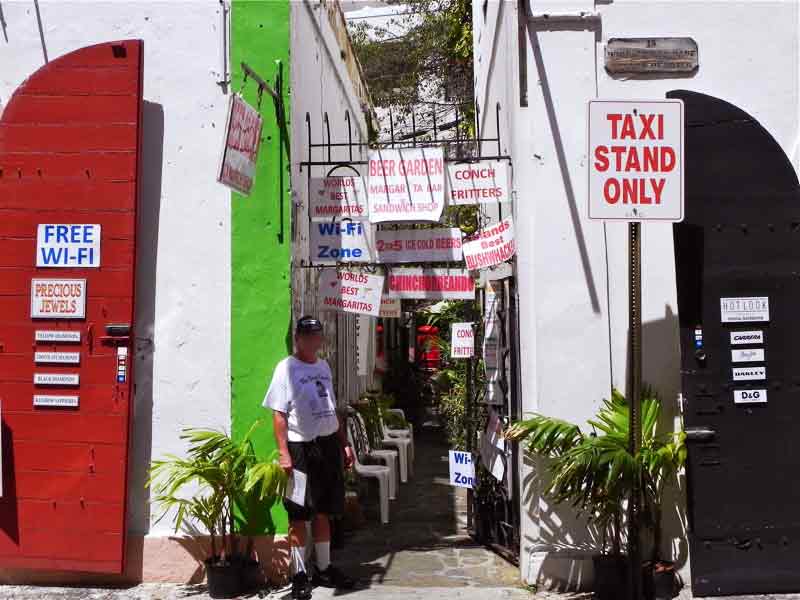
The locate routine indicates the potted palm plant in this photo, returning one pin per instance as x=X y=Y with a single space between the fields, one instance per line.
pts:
x=236 y=491
x=595 y=472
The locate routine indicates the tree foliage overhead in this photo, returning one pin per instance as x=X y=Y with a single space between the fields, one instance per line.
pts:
x=422 y=53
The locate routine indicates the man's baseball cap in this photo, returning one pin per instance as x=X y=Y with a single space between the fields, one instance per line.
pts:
x=308 y=324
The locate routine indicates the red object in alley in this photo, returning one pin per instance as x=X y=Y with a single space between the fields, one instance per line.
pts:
x=428 y=354
x=69 y=155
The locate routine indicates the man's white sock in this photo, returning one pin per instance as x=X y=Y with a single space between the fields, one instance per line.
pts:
x=323 y=552
x=298 y=561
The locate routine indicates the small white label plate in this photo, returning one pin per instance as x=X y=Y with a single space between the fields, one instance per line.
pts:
x=749 y=355
x=56 y=379
x=749 y=396
x=61 y=358
x=71 y=337
x=749 y=373
x=742 y=310
x=740 y=338
x=60 y=401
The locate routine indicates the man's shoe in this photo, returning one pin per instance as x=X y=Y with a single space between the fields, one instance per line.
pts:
x=301 y=586
x=333 y=578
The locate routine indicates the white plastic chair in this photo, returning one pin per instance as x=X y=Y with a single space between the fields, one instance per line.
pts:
x=379 y=472
x=403 y=440
x=388 y=457
x=405 y=432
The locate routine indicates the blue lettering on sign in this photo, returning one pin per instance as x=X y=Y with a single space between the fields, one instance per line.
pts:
x=463 y=479
x=341 y=228
x=462 y=458
x=62 y=245
x=331 y=252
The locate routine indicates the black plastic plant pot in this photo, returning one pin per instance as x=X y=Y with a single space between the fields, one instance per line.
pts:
x=661 y=583
x=610 y=577
x=252 y=580
x=224 y=581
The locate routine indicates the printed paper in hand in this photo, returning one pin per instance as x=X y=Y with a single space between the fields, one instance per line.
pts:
x=296 y=488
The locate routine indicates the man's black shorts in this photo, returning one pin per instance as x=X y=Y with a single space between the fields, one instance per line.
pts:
x=322 y=461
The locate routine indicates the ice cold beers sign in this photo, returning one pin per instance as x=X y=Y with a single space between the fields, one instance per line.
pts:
x=636 y=160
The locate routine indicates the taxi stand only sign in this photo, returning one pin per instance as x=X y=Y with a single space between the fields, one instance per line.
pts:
x=636 y=160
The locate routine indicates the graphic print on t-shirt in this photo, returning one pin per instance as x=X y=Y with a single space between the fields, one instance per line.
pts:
x=322 y=406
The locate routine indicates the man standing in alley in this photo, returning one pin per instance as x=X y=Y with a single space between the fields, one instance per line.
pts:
x=312 y=441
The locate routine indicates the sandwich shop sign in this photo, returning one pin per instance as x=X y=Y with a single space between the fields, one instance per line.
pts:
x=636 y=160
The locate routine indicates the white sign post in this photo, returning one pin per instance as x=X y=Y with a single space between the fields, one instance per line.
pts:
x=462 y=469
x=481 y=182
x=240 y=152
x=58 y=298
x=462 y=340
x=350 y=291
x=636 y=160
x=338 y=196
x=406 y=185
x=62 y=245
x=491 y=246
x=635 y=174
x=440 y=244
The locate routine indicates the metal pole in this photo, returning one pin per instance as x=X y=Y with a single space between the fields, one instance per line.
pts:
x=635 y=394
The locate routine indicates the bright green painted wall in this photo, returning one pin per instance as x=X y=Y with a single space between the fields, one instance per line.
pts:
x=261 y=285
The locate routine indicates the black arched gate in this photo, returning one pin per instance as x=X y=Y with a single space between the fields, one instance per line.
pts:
x=738 y=275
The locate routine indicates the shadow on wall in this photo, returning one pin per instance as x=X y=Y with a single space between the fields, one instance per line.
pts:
x=146 y=262
x=560 y=555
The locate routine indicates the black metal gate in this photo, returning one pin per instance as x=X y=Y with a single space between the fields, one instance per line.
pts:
x=496 y=498
x=738 y=273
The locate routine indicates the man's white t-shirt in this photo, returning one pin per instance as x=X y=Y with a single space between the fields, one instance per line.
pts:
x=304 y=391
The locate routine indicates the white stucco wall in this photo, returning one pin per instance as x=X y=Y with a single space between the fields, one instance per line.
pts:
x=321 y=83
x=572 y=273
x=183 y=276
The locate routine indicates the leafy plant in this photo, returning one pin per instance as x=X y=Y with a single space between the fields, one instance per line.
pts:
x=236 y=489
x=595 y=472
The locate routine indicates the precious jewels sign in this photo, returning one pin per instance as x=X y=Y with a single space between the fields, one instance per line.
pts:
x=337 y=197
x=406 y=185
x=350 y=291
x=58 y=298
x=440 y=244
x=433 y=284
x=490 y=246
x=480 y=182
x=636 y=160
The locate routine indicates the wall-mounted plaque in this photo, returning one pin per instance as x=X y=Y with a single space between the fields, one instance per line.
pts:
x=651 y=55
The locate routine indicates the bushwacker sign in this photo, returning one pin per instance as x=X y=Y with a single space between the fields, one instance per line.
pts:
x=406 y=185
x=350 y=291
x=242 y=139
x=490 y=246
x=636 y=160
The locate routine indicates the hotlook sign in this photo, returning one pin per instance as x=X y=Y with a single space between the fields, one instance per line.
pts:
x=433 y=284
x=58 y=298
x=59 y=245
x=636 y=160
x=338 y=196
x=242 y=139
x=406 y=185
x=441 y=244
x=490 y=246
x=462 y=340
x=351 y=291
x=473 y=183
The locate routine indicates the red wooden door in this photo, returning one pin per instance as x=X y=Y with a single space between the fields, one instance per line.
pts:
x=69 y=160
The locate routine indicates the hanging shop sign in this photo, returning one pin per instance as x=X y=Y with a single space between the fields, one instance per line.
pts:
x=350 y=291
x=744 y=310
x=58 y=298
x=441 y=244
x=240 y=152
x=462 y=469
x=462 y=340
x=406 y=184
x=338 y=196
x=491 y=246
x=480 y=182
x=431 y=284
x=62 y=245
x=340 y=241
x=391 y=308
x=493 y=446
x=651 y=55
x=491 y=349
x=636 y=160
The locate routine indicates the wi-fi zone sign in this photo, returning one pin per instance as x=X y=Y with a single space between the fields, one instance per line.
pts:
x=636 y=160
